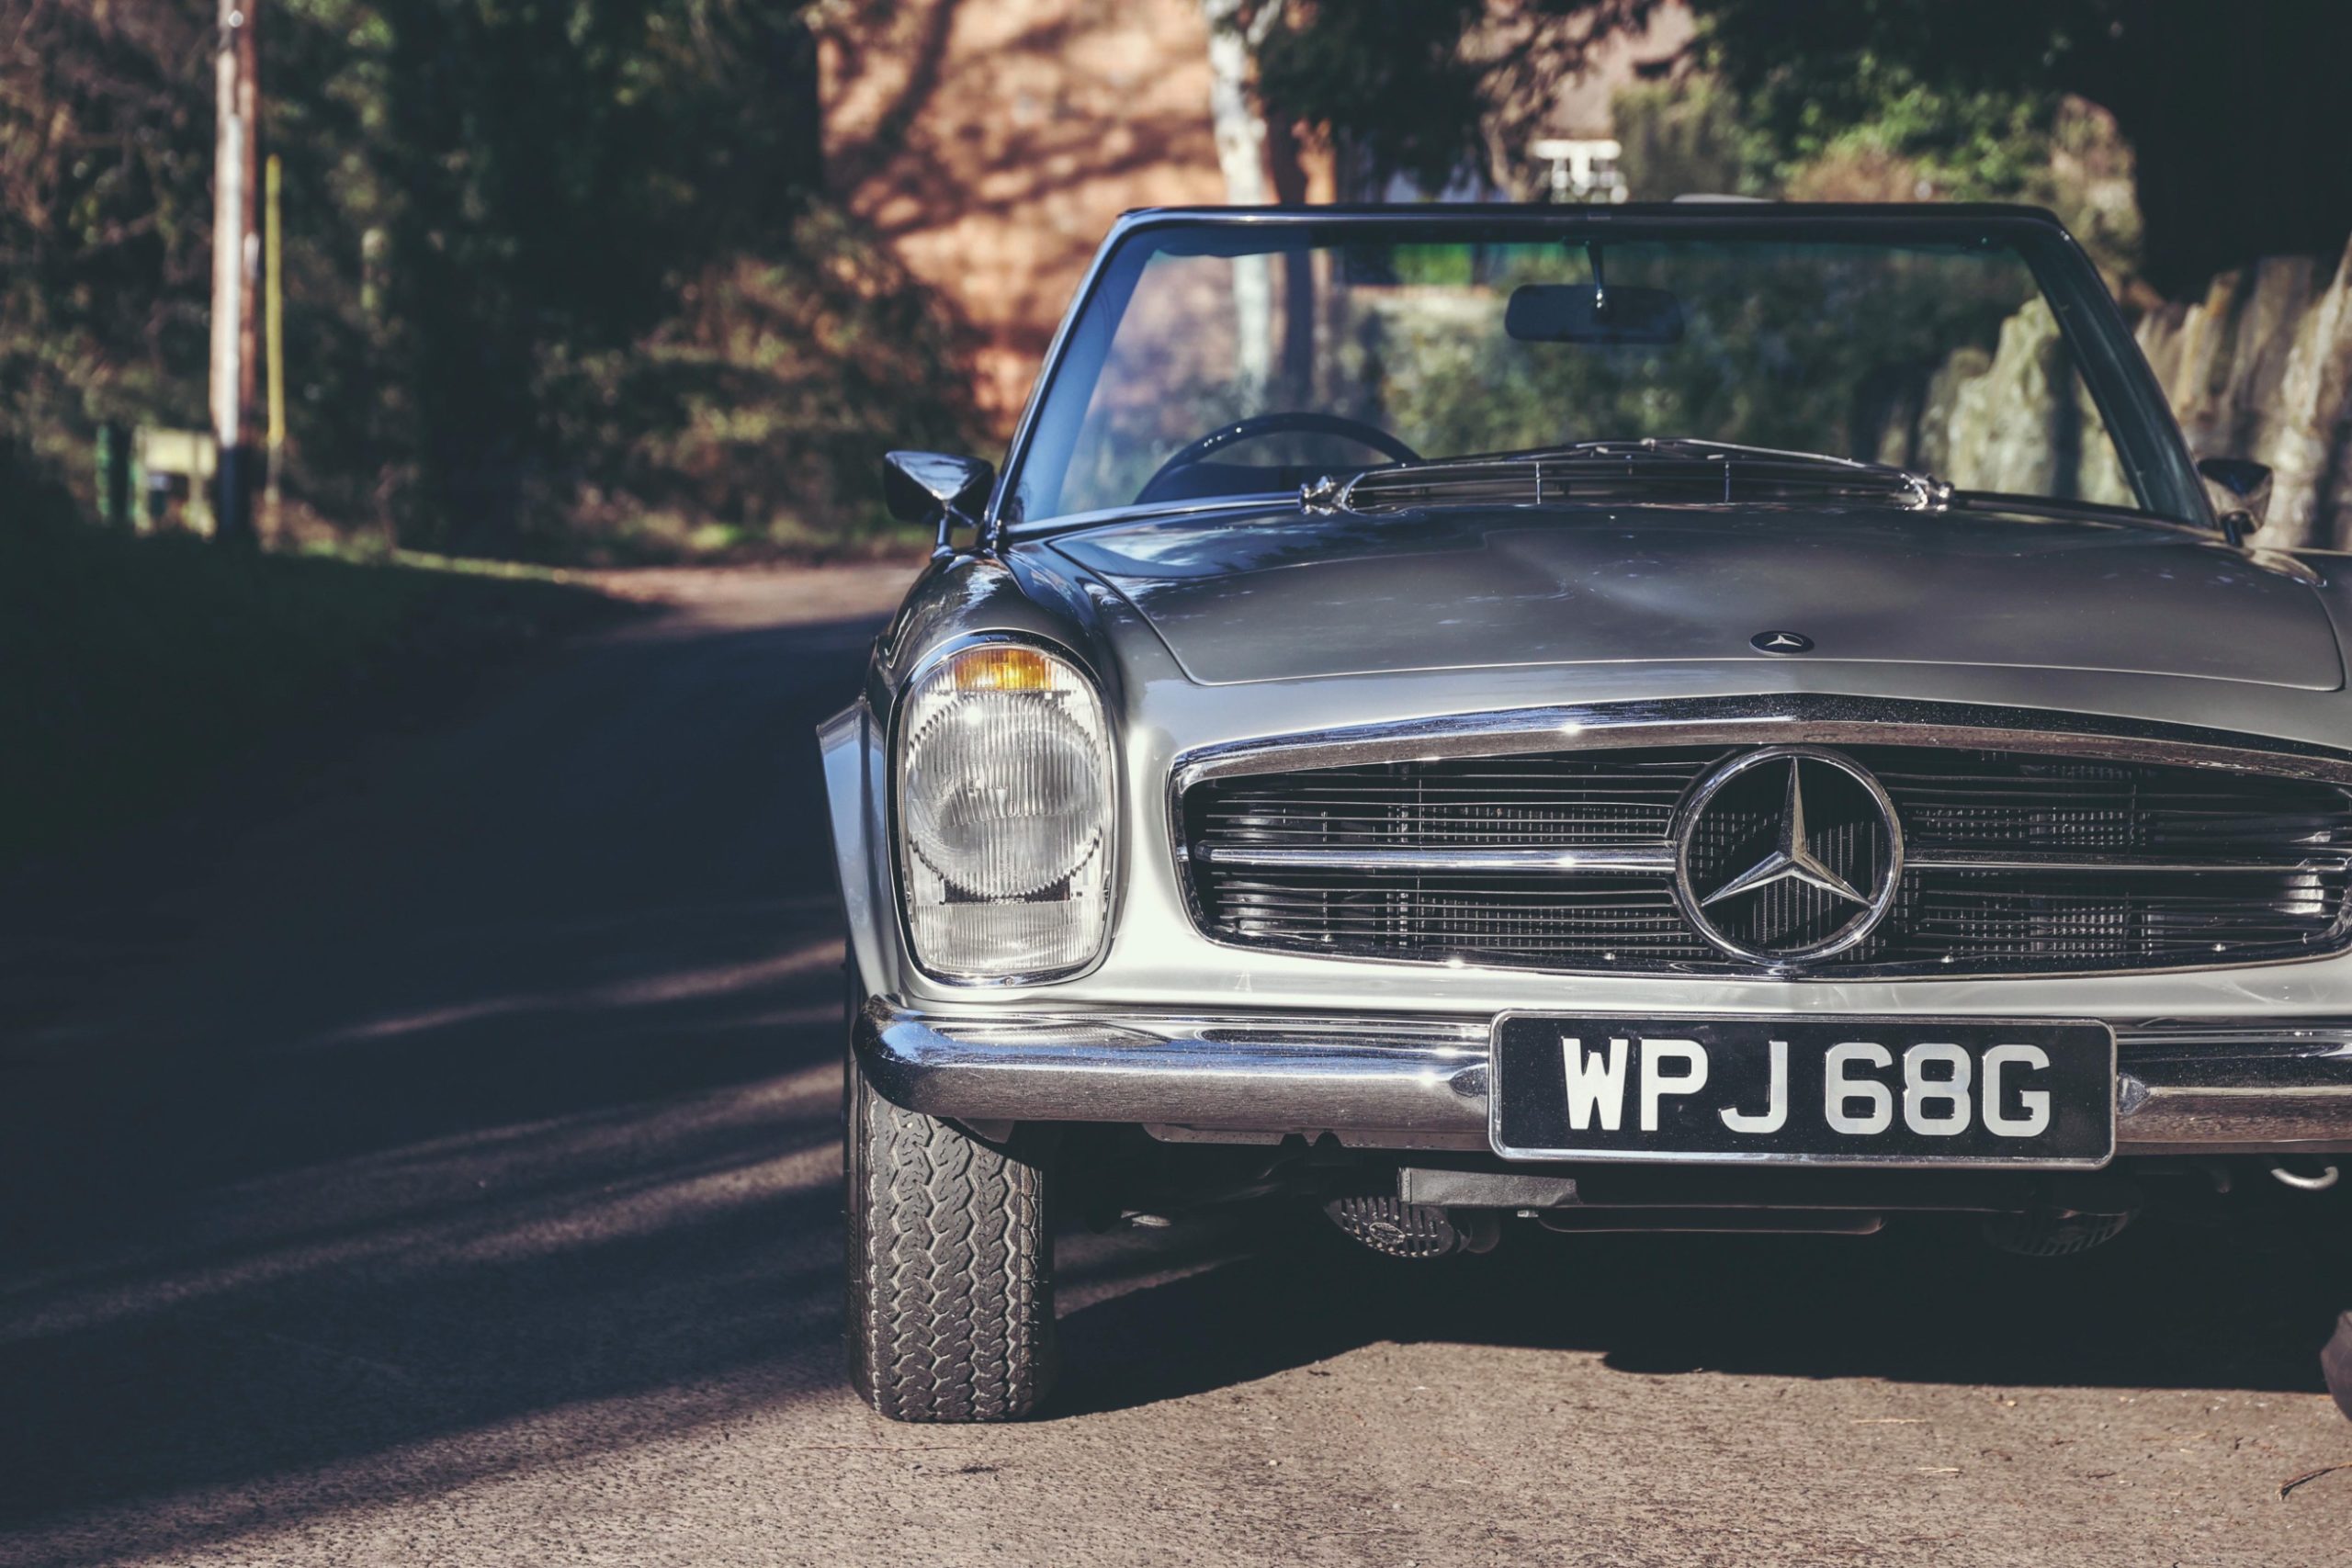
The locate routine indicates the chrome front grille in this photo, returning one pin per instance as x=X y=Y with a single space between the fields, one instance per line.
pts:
x=2015 y=862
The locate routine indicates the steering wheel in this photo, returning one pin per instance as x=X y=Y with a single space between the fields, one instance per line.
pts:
x=1296 y=420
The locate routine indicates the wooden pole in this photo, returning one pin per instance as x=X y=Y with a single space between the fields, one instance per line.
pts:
x=274 y=325
x=236 y=260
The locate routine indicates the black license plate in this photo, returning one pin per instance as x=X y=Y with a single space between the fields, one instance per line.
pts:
x=1912 y=1091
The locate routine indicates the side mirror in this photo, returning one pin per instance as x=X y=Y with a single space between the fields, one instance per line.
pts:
x=923 y=487
x=2240 y=489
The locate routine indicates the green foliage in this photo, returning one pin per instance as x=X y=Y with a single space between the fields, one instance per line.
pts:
x=105 y=223
x=755 y=413
x=537 y=253
x=1822 y=83
x=1697 y=133
x=1388 y=74
x=2224 y=106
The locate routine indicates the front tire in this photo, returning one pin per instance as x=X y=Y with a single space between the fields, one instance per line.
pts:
x=951 y=1290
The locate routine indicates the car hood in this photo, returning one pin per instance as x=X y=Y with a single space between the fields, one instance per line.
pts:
x=1283 y=594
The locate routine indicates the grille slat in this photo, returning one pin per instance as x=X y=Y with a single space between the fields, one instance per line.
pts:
x=2018 y=863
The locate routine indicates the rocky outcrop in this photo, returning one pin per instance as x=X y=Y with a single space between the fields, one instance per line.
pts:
x=2261 y=368
x=2025 y=422
x=2017 y=419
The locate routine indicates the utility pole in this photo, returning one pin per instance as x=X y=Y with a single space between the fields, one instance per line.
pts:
x=274 y=334
x=237 y=264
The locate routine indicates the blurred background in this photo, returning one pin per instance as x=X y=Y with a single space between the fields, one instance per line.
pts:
x=374 y=292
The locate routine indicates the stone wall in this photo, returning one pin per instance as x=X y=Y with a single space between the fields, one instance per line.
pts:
x=2261 y=368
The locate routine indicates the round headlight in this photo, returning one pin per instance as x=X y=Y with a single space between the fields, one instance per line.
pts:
x=1004 y=794
x=1005 y=805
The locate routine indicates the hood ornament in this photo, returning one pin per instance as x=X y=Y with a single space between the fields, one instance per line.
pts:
x=1781 y=642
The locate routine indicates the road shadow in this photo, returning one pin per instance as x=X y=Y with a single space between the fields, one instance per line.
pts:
x=483 y=1112
x=2166 y=1305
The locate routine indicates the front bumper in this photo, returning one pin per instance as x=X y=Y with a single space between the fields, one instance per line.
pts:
x=1419 y=1082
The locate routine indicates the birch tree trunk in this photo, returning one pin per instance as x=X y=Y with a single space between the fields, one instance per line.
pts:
x=1240 y=132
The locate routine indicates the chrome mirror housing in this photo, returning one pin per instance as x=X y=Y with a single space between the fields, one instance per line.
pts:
x=2239 y=489
x=921 y=487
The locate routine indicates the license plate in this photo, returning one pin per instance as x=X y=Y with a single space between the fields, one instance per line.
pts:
x=1910 y=1092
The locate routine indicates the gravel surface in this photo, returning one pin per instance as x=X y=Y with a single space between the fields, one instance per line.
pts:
x=449 y=1175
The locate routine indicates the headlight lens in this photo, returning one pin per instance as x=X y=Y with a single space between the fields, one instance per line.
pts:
x=1005 y=813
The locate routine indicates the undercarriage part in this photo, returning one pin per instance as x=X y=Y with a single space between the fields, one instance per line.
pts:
x=1413 y=1230
x=1482 y=1184
x=2335 y=1361
x=2306 y=1175
x=1775 y=1221
x=2050 y=1232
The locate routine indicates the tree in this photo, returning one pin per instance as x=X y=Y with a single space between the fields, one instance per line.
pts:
x=105 y=221
x=1236 y=27
x=545 y=260
x=2233 y=110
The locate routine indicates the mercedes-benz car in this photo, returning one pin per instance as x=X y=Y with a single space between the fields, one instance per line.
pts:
x=1699 y=717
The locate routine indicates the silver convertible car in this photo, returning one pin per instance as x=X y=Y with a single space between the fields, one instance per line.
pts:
x=1703 y=717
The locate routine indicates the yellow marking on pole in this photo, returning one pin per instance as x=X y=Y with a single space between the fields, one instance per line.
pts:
x=274 y=320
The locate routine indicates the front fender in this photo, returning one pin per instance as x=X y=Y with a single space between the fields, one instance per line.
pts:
x=851 y=744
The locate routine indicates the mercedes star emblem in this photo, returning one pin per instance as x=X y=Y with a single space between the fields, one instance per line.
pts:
x=1781 y=642
x=1787 y=854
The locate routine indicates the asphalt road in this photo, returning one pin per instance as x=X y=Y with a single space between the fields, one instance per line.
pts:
x=443 y=1169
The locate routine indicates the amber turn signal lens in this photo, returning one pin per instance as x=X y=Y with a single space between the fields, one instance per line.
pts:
x=1004 y=669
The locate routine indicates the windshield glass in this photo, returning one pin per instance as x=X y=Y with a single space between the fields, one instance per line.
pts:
x=1220 y=360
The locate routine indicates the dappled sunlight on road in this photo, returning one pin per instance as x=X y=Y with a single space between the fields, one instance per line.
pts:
x=694 y=984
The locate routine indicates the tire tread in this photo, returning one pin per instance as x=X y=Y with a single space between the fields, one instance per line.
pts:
x=950 y=1261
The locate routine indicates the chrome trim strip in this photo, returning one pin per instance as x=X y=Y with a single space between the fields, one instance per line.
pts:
x=1644 y=862
x=1292 y=1075
x=1812 y=719
x=1632 y=862
x=2185 y=1086
x=1656 y=861
x=1962 y=860
x=1626 y=460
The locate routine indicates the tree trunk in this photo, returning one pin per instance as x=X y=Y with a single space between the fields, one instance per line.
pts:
x=1240 y=132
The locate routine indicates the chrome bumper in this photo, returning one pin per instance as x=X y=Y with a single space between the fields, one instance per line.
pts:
x=2185 y=1087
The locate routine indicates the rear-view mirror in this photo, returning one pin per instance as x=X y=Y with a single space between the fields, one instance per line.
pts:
x=1585 y=312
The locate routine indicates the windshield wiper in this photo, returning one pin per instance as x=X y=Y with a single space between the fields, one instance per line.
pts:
x=1657 y=470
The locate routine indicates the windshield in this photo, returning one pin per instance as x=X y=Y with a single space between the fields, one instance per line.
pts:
x=1223 y=360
